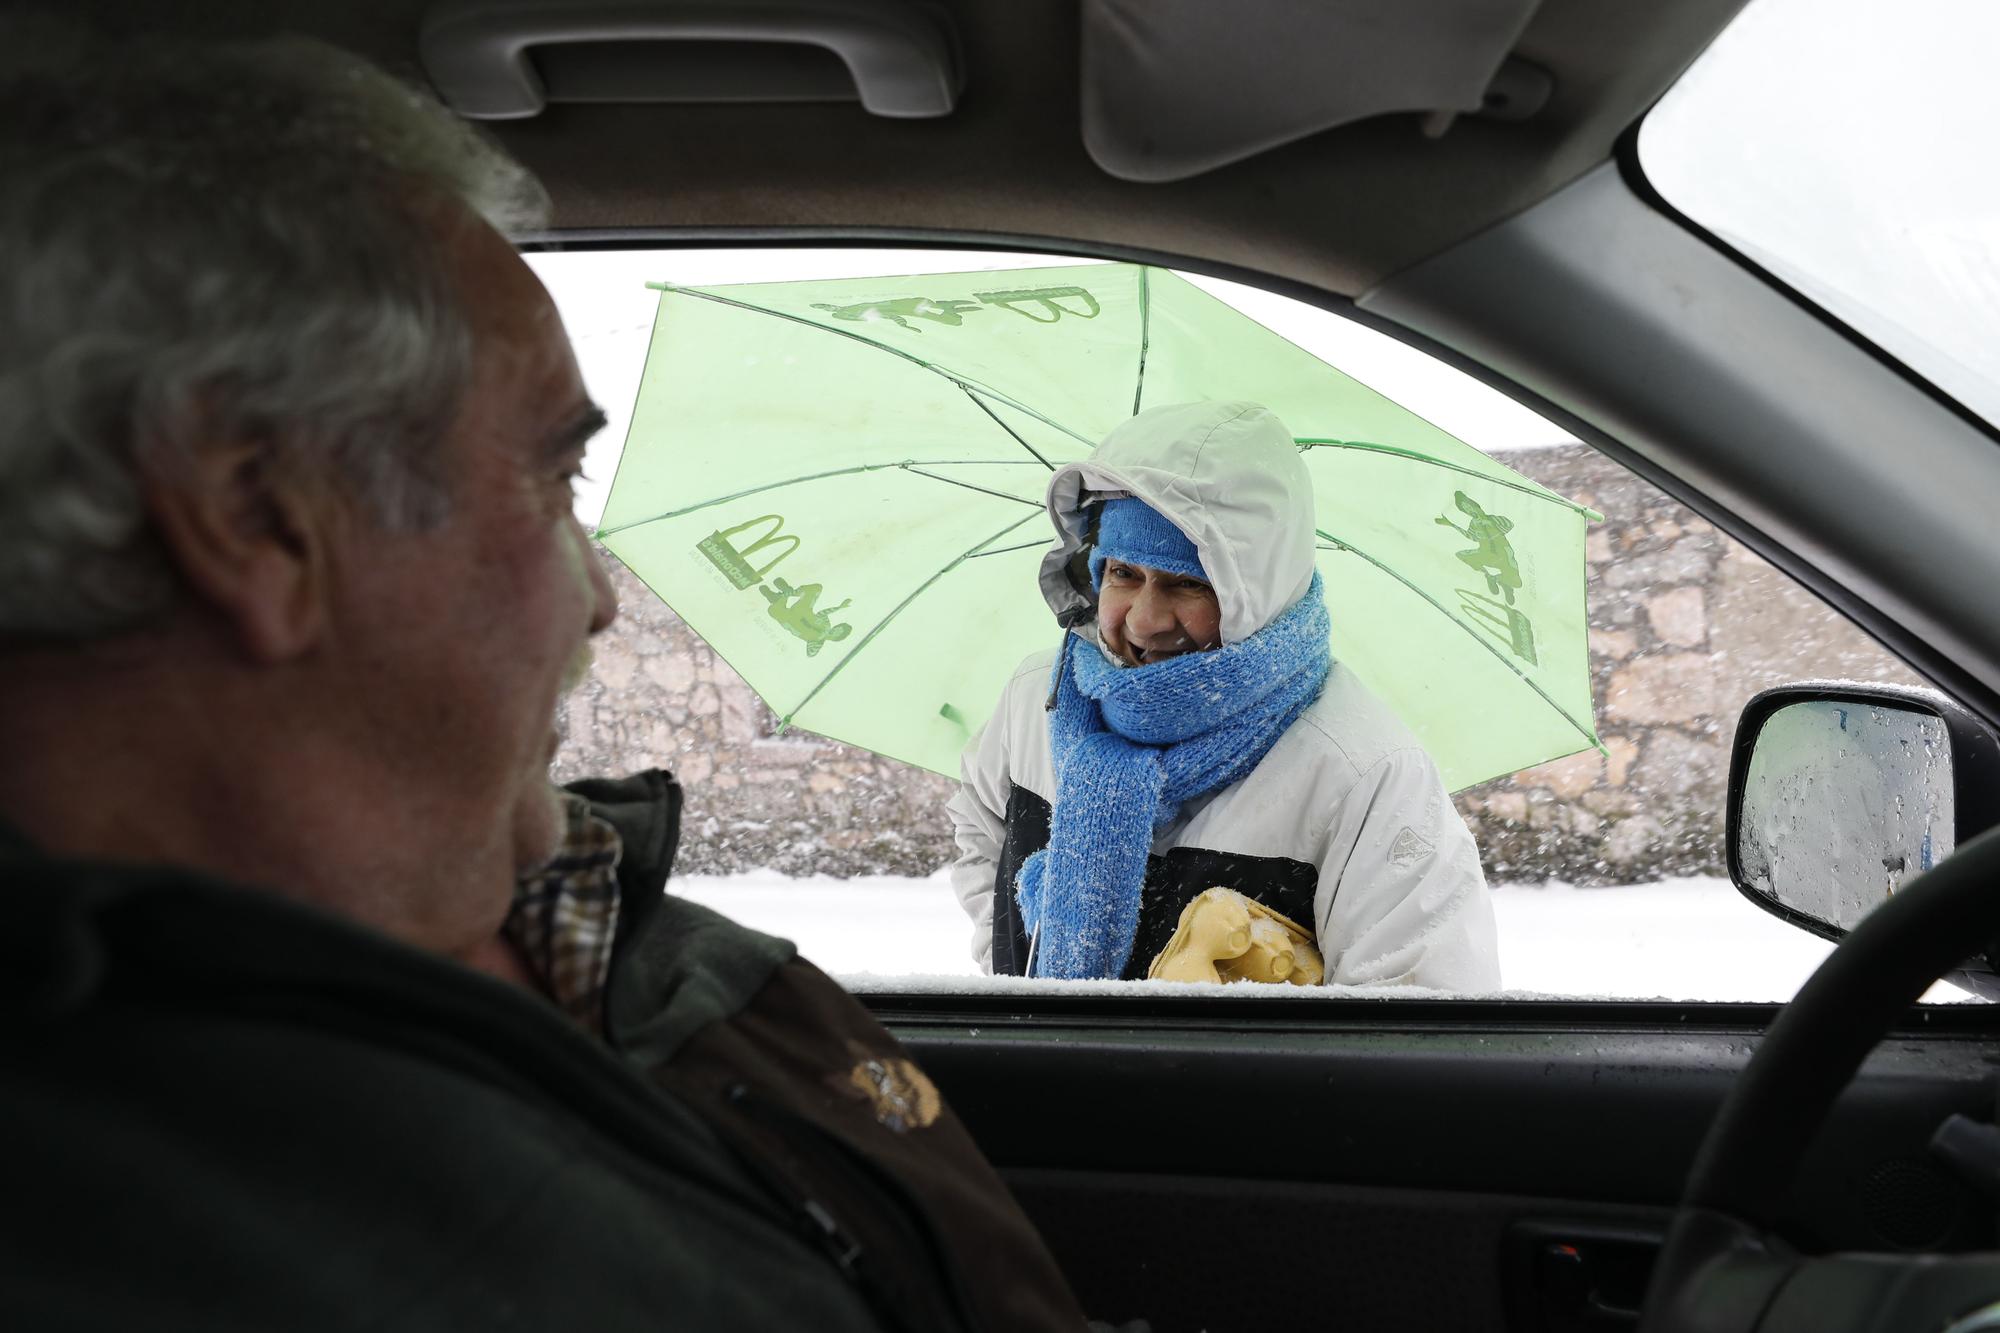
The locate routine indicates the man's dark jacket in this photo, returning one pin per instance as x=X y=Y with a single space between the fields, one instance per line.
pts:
x=227 y=1111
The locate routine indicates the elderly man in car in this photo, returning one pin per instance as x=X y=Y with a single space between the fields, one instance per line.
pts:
x=322 y=1007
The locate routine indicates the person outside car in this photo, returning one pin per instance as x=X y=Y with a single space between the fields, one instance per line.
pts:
x=1193 y=732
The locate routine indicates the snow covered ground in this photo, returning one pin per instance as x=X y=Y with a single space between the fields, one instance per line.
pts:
x=1682 y=939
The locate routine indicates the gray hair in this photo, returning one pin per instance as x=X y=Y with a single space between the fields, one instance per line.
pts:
x=248 y=240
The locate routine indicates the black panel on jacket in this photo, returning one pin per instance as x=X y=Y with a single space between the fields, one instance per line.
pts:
x=1172 y=881
x=1027 y=833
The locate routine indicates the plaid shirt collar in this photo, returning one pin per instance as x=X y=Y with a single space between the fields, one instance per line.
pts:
x=565 y=916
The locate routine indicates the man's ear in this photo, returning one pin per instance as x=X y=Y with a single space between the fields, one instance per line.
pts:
x=248 y=535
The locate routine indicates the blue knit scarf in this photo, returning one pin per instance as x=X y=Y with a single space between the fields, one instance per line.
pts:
x=1130 y=745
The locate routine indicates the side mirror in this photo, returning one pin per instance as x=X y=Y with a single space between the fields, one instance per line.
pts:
x=1841 y=794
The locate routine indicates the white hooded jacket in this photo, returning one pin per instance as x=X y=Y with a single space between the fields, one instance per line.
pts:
x=1345 y=823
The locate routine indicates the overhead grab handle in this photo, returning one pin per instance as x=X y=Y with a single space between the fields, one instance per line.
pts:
x=478 y=53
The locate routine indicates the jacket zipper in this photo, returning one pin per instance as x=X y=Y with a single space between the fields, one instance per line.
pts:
x=814 y=1141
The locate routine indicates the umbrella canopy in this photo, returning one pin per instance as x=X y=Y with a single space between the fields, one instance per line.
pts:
x=839 y=485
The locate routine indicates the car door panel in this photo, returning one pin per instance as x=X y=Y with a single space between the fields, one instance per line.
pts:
x=1224 y=1253
x=1227 y=1161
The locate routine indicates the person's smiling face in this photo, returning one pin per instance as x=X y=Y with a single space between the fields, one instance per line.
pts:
x=1149 y=615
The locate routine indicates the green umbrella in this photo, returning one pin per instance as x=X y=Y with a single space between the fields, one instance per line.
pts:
x=838 y=485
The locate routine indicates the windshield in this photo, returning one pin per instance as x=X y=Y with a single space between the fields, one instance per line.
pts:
x=1848 y=147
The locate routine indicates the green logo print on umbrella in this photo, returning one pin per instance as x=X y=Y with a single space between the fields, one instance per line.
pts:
x=902 y=309
x=794 y=608
x=906 y=427
x=1493 y=556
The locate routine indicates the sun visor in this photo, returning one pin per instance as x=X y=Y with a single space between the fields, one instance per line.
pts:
x=1173 y=88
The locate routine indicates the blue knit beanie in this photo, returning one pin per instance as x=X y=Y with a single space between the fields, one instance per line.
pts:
x=1131 y=531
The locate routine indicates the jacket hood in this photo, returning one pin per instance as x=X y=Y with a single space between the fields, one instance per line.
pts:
x=1228 y=475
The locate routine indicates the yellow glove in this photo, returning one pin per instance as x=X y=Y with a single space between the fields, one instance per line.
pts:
x=1224 y=936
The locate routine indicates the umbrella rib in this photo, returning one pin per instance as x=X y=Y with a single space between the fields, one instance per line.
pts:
x=1526 y=488
x=981 y=402
x=1476 y=637
x=1003 y=550
x=901 y=606
x=909 y=464
x=970 y=386
x=1145 y=333
x=983 y=490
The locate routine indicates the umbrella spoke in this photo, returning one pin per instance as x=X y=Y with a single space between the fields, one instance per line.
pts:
x=1003 y=550
x=901 y=607
x=1475 y=635
x=1524 y=487
x=907 y=464
x=982 y=405
x=983 y=490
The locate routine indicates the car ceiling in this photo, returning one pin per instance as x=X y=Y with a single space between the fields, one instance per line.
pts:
x=1338 y=210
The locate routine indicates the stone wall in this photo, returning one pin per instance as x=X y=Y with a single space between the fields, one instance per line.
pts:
x=657 y=697
x=1686 y=625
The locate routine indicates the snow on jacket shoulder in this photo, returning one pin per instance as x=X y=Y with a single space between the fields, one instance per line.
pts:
x=1345 y=825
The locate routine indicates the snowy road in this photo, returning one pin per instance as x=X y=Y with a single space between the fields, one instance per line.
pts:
x=1684 y=939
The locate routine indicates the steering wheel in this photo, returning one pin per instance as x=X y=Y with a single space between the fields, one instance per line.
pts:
x=1722 y=1270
